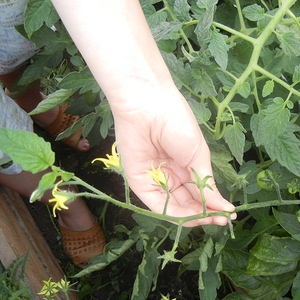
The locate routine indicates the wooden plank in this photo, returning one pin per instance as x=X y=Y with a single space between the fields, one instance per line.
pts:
x=18 y=234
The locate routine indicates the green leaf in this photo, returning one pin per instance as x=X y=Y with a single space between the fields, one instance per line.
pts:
x=45 y=184
x=27 y=149
x=296 y=74
x=254 y=12
x=209 y=280
x=181 y=10
x=289 y=222
x=107 y=118
x=296 y=287
x=273 y=255
x=235 y=138
x=218 y=48
x=82 y=81
x=270 y=122
x=204 y=13
x=202 y=113
x=204 y=83
x=37 y=13
x=268 y=88
x=237 y=296
x=147 y=223
x=146 y=276
x=239 y=106
x=244 y=89
x=289 y=43
x=285 y=148
x=40 y=67
x=112 y=251
x=52 y=100
x=181 y=73
x=221 y=158
x=166 y=30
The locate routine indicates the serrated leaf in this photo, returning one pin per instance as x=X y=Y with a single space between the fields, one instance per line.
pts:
x=112 y=251
x=202 y=113
x=289 y=222
x=45 y=184
x=166 y=30
x=146 y=275
x=27 y=149
x=285 y=148
x=181 y=10
x=289 y=43
x=38 y=69
x=239 y=106
x=221 y=158
x=204 y=12
x=218 y=48
x=296 y=287
x=268 y=88
x=52 y=100
x=82 y=81
x=181 y=73
x=273 y=255
x=244 y=89
x=235 y=138
x=203 y=83
x=296 y=74
x=39 y=12
x=254 y=12
x=270 y=122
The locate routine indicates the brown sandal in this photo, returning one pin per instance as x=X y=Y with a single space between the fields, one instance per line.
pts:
x=81 y=246
x=61 y=123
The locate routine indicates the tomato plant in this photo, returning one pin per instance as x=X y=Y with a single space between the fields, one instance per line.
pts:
x=238 y=65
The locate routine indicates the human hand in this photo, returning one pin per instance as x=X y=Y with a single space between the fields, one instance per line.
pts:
x=163 y=129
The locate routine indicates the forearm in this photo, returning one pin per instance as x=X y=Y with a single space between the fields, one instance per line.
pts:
x=114 y=39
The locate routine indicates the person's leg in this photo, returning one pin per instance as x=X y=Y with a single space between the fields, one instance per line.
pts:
x=82 y=237
x=78 y=217
x=30 y=98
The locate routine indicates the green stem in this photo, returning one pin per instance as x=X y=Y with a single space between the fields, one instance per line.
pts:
x=270 y=203
x=240 y=14
x=255 y=93
x=235 y=32
x=177 y=238
x=180 y=220
x=166 y=203
x=276 y=79
x=190 y=47
x=258 y=44
x=127 y=190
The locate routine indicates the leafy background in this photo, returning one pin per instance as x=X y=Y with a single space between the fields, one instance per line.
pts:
x=238 y=65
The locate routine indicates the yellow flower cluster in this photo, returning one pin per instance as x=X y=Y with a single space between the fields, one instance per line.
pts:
x=113 y=161
x=61 y=198
x=158 y=176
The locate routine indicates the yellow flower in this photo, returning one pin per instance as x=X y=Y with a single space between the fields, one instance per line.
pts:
x=61 y=198
x=112 y=162
x=49 y=288
x=158 y=176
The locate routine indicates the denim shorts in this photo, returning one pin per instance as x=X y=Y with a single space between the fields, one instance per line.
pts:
x=14 y=48
x=13 y=117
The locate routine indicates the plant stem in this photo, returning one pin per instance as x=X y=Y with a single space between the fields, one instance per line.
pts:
x=166 y=203
x=258 y=44
x=190 y=47
x=240 y=14
x=270 y=203
x=127 y=190
x=276 y=79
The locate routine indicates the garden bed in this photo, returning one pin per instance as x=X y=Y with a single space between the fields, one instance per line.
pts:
x=19 y=234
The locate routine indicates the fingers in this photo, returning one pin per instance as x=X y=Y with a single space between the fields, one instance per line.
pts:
x=180 y=205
